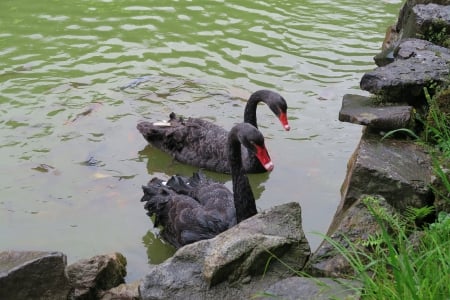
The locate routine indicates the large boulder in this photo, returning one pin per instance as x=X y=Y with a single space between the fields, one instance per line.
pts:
x=90 y=277
x=424 y=19
x=399 y=170
x=233 y=258
x=353 y=227
x=417 y=64
x=419 y=17
x=363 y=110
x=33 y=275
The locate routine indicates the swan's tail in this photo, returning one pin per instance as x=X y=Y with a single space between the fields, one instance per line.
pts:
x=156 y=196
x=161 y=134
x=188 y=186
x=179 y=184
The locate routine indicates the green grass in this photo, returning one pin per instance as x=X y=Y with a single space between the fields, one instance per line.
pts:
x=393 y=265
x=396 y=267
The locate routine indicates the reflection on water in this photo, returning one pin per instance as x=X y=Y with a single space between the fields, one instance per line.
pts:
x=76 y=77
x=157 y=250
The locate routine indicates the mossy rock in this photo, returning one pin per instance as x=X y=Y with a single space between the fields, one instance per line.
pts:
x=442 y=190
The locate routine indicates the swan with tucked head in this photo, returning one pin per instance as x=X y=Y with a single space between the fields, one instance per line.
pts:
x=197 y=208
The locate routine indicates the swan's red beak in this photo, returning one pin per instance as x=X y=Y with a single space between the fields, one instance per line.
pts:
x=264 y=158
x=284 y=121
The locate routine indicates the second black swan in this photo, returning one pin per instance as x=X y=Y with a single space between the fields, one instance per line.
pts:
x=202 y=143
x=197 y=208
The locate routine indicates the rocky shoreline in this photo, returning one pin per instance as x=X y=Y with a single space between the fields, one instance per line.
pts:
x=263 y=256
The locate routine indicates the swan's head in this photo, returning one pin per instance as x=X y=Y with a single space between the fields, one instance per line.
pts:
x=277 y=105
x=253 y=140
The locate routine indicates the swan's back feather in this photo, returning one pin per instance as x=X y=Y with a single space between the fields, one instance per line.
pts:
x=192 y=141
x=189 y=212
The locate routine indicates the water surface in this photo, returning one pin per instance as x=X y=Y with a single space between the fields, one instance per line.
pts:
x=76 y=77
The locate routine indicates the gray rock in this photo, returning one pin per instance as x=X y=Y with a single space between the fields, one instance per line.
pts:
x=417 y=64
x=301 y=288
x=423 y=17
x=234 y=256
x=91 y=276
x=414 y=21
x=442 y=194
x=415 y=47
x=398 y=170
x=407 y=10
x=33 y=275
x=355 y=225
x=123 y=292
x=362 y=110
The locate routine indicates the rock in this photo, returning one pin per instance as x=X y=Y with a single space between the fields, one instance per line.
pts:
x=442 y=193
x=398 y=170
x=417 y=64
x=362 y=110
x=122 y=292
x=301 y=288
x=99 y=273
x=33 y=275
x=405 y=15
x=417 y=19
x=423 y=18
x=236 y=255
x=355 y=225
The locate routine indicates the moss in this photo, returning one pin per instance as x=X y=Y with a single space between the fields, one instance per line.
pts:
x=440 y=185
x=438 y=32
x=442 y=100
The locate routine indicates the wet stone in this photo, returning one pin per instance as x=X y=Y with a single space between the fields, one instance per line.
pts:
x=398 y=170
x=417 y=64
x=362 y=110
x=33 y=275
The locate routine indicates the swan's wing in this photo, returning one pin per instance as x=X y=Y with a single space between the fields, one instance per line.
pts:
x=184 y=219
x=211 y=195
x=193 y=141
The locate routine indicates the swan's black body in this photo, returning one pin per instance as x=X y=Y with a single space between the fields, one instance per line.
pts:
x=203 y=144
x=196 y=208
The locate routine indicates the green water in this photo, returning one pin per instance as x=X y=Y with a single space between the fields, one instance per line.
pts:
x=76 y=77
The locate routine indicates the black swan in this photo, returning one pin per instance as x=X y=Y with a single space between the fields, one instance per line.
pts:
x=197 y=208
x=203 y=144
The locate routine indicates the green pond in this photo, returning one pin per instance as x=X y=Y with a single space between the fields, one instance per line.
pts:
x=77 y=76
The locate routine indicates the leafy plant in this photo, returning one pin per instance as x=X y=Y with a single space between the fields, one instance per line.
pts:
x=398 y=267
x=437 y=33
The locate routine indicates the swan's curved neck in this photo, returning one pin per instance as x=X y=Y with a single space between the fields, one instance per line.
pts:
x=250 y=109
x=244 y=201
